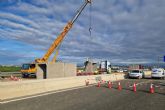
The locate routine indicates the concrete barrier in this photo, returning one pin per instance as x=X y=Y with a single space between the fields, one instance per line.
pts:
x=10 y=90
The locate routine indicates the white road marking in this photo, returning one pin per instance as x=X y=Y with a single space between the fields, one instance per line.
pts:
x=161 y=83
x=44 y=94
x=157 y=86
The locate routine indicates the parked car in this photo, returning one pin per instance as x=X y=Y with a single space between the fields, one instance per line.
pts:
x=120 y=71
x=125 y=70
x=158 y=73
x=136 y=74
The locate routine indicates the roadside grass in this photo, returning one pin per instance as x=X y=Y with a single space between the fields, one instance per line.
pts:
x=9 y=68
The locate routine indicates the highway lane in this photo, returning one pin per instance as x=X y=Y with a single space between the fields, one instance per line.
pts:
x=103 y=98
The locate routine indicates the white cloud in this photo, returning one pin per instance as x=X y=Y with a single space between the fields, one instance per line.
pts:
x=122 y=29
x=18 y=18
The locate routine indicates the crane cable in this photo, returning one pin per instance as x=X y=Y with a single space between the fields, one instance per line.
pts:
x=90 y=20
x=90 y=31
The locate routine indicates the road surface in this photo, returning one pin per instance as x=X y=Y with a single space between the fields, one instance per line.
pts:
x=103 y=98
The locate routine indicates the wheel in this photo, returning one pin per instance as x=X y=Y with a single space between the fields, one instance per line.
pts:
x=143 y=76
x=140 y=77
x=23 y=76
x=129 y=77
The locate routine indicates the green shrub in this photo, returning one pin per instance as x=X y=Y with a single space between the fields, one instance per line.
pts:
x=9 y=68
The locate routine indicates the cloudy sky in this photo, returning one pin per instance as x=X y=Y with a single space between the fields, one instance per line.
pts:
x=123 y=31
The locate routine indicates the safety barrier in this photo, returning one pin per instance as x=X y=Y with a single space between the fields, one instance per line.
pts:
x=24 y=88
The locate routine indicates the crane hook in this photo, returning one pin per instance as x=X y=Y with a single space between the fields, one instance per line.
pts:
x=90 y=19
x=90 y=30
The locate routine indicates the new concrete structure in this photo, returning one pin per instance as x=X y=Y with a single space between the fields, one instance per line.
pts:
x=55 y=70
x=90 y=67
x=14 y=89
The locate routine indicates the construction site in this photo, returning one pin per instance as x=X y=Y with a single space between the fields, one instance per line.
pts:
x=43 y=68
x=49 y=82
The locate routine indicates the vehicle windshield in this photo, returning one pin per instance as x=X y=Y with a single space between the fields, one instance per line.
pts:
x=135 y=71
x=25 y=66
x=156 y=70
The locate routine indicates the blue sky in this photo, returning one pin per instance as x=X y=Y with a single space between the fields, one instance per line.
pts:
x=123 y=31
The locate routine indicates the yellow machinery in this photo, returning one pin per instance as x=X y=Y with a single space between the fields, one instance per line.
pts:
x=29 y=70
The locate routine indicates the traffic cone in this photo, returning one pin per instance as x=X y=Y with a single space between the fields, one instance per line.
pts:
x=109 y=84
x=134 y=87
x=98 y=85
x=11 y=77
x=151 y=89
x=103 y=81
x=15 y=79
x=119 y=86
x=87 y=82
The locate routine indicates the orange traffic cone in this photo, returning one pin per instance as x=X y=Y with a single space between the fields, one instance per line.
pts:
x=134 y=87
x=103 y=81
x=151 y=89
x=98 y=85
x=15 y=79
x=109 y=84
x=119 y=86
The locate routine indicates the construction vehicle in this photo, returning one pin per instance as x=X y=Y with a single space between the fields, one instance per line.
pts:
x=29 y=69
x=105 y=67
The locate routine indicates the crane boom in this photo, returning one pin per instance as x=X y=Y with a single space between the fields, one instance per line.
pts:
x=61 y=36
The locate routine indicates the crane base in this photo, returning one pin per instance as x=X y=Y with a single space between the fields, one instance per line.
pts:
x=55 y=70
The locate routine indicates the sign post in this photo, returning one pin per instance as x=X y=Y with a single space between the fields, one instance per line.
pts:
x=164 y=58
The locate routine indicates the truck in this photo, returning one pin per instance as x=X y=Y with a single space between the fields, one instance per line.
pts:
x=105 y=67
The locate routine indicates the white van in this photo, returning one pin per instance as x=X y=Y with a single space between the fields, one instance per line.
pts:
x=158 y=73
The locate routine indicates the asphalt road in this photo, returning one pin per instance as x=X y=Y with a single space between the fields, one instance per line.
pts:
x=103 y=98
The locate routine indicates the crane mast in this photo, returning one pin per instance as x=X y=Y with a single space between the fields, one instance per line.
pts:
x=61 y=36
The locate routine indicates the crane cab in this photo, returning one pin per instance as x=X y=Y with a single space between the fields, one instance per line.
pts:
x=28 y=70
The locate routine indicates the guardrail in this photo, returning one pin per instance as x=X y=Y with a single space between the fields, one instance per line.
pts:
x=17 y=72
x=8 y=74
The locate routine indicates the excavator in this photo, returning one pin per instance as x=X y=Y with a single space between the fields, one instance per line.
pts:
x=29 y=69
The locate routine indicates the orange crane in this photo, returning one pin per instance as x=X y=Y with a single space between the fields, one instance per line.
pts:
x=29 y=70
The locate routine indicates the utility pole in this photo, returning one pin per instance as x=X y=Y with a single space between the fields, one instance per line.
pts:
x=159 y=59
